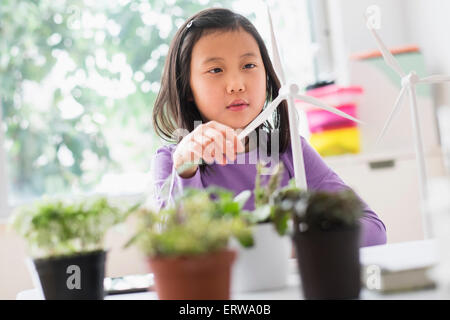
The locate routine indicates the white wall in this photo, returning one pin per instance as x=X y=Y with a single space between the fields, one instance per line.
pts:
x=422 y=22
x=349 y=34
x=428 y=25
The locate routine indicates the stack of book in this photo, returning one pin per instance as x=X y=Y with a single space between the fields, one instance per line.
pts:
x=399 y=266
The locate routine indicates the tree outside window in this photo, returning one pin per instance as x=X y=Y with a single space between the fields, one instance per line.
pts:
x=78 y=80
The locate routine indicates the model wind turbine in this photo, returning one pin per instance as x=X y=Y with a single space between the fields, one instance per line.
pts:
x=408 y=84
x=289 y=92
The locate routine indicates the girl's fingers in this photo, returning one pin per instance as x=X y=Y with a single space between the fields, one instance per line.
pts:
x=208 y=153
x=218 y=142
x=186 y=153
x=222 y=146
x=214 y=152
x=226 y=131
x=194 y=152
x=204 y=141
x=229 y=134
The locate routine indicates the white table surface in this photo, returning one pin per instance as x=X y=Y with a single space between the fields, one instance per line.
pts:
x=290 y=292
x=293 y=289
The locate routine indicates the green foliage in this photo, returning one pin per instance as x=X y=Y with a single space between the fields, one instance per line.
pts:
x=197 y=224
x=263 y=210
x=61 y=227
x=315 y=210
x=282 y=203
x=57 y=48
x=262 y=194
x=225 y=203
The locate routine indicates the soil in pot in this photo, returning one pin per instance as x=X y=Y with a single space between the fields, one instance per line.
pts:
x=329 y=264
x=199 y=277
x=75 y=277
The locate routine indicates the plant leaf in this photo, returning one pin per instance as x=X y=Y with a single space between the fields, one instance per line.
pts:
x=242 y=198
x=262 y=213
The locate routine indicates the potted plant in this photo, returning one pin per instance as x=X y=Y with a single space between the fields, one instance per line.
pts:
x=264 y=266
x=65 y=241
x=187 y=244
x=326 y=235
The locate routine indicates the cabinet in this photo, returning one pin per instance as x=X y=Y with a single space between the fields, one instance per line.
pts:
x=389 y=185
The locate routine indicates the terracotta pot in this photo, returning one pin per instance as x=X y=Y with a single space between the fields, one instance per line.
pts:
x=200 y=277
x=329 y=264
x=265 y=266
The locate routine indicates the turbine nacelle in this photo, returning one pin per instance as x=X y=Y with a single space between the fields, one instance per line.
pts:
x=410 y=79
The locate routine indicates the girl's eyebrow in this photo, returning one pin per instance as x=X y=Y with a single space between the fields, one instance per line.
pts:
x=248 y=54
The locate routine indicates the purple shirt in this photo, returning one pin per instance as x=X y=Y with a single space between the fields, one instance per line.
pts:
x=239 y=175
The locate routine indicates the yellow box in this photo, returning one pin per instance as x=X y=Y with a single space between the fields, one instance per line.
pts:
x=335 y=142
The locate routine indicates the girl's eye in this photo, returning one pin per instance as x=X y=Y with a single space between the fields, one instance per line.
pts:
x=249 y=66
x=215 y=70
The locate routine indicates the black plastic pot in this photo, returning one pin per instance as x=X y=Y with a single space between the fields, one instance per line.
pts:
x=75 y=277
x=328 y=263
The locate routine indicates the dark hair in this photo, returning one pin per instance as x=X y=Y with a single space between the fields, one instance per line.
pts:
x=174 y=110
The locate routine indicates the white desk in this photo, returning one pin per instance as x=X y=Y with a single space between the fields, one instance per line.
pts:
x=293 y=290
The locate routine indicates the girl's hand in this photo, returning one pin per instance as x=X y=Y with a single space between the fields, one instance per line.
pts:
x=211 y=141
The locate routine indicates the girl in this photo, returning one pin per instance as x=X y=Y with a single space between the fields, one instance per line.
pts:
x=217 y=78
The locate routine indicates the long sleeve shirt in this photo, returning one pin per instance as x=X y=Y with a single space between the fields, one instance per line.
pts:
x=239 y=175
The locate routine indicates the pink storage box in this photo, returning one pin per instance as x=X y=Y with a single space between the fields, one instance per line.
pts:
x=334 y=95
x=320 y=120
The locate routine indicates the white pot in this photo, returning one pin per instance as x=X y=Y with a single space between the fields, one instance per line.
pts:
x=265 y=266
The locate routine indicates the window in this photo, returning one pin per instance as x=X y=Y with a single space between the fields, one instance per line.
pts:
x=78 y=80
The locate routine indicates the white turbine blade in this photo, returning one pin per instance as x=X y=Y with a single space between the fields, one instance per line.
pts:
x=387 y=55
x=297 y=152
x=275 y=53
x=434 y=79
x=263 y=116
x=322 y=105
x=392 y=115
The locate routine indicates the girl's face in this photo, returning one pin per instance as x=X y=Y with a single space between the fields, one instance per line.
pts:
x=228 y=78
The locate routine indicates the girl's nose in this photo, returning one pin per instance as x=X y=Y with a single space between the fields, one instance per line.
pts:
x=235 y=85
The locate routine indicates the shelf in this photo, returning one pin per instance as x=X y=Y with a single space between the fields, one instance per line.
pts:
x=363 y=158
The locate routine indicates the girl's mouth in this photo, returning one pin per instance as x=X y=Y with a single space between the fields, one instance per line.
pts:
x=237 y=107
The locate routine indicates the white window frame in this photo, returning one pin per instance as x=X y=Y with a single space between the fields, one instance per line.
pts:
x=320 y=35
